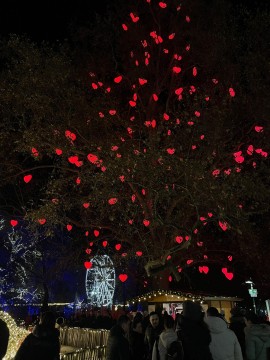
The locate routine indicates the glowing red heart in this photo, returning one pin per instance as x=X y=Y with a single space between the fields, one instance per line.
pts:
x=229 y=275
x=42 y=221
x=189 y=262
x=104 y=243
x=118 y=79
x=86 y=205
x=112 y=201
x=69 y=227
x=139 y=253
x=58 y=151
x=27 y=178
x=146 y=222
x=179 y=239
x=13 y=222
x=162 y=5
x=230 y=257
x=88 y=265
x=34 y=152
x=123 y=277
x=88 y=251
x=142 y=81
x=96 y=233
x=170 y=278
x=205 y=269
x=118 y=246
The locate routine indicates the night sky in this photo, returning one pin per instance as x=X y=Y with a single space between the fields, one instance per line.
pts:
x=50 y=20
x=45 y=20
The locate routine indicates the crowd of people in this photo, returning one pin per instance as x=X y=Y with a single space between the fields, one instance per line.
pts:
x=202 y=336
x=191 y=335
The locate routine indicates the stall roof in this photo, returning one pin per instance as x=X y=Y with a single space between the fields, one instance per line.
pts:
x=176 y=296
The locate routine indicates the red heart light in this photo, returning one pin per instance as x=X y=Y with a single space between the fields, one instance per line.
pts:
x=139 y=253
x=142 y=81
x=58 y=151
x=179 y=239
x=13 y=222
x=205 y=269
x=170 y=278
x=42 y=221
x=118 y=246
x=146 y=222
x=118 y=79
x=104 y=243
x=69 y=227
x=96 y=233
x=86 y=205
x=88 y=265
x=123 y=277
x=229 y=275
x=27 y=178
x=88 y=251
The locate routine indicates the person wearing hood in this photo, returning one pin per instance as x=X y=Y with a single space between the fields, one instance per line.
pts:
x=193 y=332
x=257 y=338
x=165 y=339
x=118 y=345
x=43 y=343
x=224 y=344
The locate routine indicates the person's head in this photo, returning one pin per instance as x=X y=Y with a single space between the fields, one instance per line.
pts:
x=154 y=319
x=192 y=311
x=168 y=322
x=137 y=325
x=251 y=318
x=47 y=319
x=212 y=311
x=124 y=322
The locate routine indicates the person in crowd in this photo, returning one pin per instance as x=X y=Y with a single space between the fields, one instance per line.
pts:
x=118 y=345
x=165 y=339
x=136 y=339
x=145 y=321
x=43 y=343
x=194 y=332
x=152 y=332
x=237 y=325
x=224 y=344
x=4 y=337
x=257 y=336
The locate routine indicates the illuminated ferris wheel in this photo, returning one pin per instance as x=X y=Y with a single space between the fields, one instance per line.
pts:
x=100 y=281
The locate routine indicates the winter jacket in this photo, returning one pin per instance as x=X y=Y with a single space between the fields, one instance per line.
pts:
x=237 y=325
x=4 y=336
x=224 y=344
x=257 y=341
x=195 y=337
x=151 y=335
x=137 y=346
x=42 y=344
x=118 y=345
x=165 y=339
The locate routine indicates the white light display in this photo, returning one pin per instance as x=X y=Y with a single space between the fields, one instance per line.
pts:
x=100 y=281
x=17 y=279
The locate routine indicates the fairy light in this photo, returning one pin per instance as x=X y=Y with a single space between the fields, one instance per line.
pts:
x=16 y=335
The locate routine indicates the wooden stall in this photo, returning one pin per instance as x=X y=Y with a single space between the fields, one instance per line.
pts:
x=172 y=302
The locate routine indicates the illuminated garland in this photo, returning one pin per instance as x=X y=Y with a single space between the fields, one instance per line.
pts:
x=16 y=335
x=176 y=295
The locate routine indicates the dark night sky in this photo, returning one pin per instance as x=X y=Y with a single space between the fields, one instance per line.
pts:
x=49 y=20
x=45 y=20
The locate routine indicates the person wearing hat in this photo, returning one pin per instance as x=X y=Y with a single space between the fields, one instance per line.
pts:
x=194 y=332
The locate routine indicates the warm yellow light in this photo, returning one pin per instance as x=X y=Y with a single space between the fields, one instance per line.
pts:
x=16 y=335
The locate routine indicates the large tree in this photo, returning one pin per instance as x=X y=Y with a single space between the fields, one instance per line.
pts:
x=158 y=155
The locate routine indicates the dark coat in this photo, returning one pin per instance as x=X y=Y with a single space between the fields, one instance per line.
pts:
x=118 y=345
x=4 y=336
x=195 y=337
x=137 y=347
x=151 y=335
x=41 y=344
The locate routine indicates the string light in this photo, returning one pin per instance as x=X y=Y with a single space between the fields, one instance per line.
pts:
x=16 y=335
